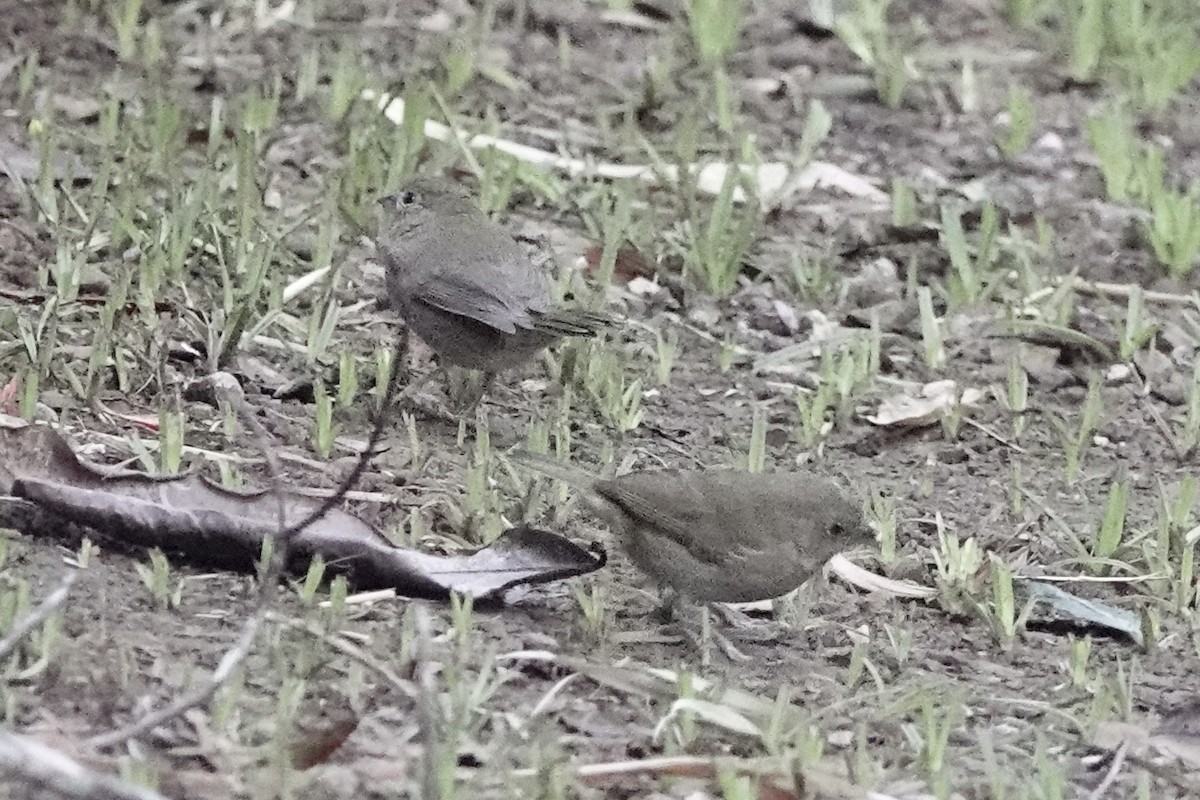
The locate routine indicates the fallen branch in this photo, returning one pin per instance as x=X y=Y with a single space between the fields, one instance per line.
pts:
x=46 y=768
x=36 y=617
x=771 y=778
x=268 y=588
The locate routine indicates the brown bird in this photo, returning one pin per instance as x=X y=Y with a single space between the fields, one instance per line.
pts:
x=718 y=535
x=464 y=285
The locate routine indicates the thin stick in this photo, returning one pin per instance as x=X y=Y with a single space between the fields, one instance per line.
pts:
x=269 y=582
x=707 y=767
x=39 y=615
x=199 y=696
x=45 y=768
x=351 y=650
x=1123 y=290
x=1113 y=771
x=979 y=426
x=429 y=717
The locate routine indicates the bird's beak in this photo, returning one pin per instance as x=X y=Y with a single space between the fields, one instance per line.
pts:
x=387 y=200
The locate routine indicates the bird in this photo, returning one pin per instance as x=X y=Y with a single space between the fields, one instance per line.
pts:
x=720 y=535
x=464 y=285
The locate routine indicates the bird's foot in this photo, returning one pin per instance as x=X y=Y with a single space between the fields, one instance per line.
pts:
x=432 y=409
x=466 y=390
x=703 y=635
x=748 y=628
x=667 y=610
x=733 y=617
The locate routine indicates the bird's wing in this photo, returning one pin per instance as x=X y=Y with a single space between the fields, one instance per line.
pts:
x=498 y=287
x=448 y=293
x=689 y=520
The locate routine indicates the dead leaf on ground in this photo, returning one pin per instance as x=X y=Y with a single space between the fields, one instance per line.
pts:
x=1103 y=617
x=773 y=181
x=316 y=745
x=629 y=264
x=925 y=407
x=861 y=578
x=215 y=526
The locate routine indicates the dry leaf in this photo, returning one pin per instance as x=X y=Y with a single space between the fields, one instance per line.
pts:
x=215 y=526
x=855 y=575
x=769 y=178
x=926 y=408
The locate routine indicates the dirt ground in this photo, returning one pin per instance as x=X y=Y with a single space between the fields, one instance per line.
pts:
x=1017 y=721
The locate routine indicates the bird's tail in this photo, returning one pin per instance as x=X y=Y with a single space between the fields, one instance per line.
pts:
x=571 y=321
x=553 y=468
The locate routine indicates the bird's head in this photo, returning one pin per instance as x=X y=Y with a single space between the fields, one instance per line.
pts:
x=424 y=199
x=845 y=524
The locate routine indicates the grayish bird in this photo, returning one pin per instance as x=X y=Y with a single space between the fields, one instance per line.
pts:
x=717 y=535
x=464 y=285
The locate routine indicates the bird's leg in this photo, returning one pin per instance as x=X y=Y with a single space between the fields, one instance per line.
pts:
x=474 y=392
x=426 y=407
x=403 y=348
x=465 y=390
x=407 y=395
x=400 y=362
x=463 y=399
x=434 y=410
x=702 y=635
x=407 y=398
x=734 y=618
x=710 y=635
x=748 y=629
x=668 y=605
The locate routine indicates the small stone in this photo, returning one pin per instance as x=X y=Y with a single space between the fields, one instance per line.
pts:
x=1050 y=141
x=1118 y=373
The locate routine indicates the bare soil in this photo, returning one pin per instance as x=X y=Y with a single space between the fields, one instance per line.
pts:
x=124 y=653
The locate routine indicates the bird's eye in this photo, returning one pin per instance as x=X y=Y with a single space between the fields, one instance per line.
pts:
x=407 y=198
x=836 y=529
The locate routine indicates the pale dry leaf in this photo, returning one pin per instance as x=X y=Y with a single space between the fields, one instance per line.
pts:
x=713 y=713
x=861 y=578
x=924 y=408
x=770 y=179
x=642 y=287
